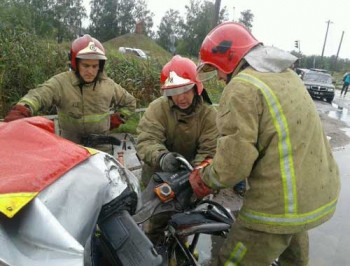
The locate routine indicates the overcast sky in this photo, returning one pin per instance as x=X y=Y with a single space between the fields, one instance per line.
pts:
x=281 y=22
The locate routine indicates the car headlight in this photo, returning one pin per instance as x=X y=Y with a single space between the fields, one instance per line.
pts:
x=330 y=89
x=308 y=87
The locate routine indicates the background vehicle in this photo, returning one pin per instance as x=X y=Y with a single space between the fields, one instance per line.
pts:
x=319 y=84
x=133 y=51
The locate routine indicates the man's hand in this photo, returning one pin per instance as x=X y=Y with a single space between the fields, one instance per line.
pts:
x=168 y=162
x=18 y=111
x=200 y=189
x=116 y=121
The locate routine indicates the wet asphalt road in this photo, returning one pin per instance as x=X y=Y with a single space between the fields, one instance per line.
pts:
x=330 y=242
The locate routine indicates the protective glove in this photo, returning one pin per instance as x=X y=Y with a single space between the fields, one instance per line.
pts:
x=116 y=121
x=200 y=189
x=168 y=162
x=18 y=111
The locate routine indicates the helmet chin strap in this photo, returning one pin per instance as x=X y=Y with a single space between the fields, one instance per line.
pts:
x=229 y=77
x=241 y=65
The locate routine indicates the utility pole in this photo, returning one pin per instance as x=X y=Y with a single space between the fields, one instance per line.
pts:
x=325 y=39
x=336 y=58
x=172 y=43
x=216 y=12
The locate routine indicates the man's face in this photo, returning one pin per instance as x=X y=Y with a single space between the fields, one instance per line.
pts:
x=88 y=69
x=184 y=100
x=221 y=75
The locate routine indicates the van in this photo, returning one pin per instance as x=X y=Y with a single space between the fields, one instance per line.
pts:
x=133 y=51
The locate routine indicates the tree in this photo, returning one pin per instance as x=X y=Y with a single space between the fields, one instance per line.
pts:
x=199 y=19
x=34 y=16
x=68 y=15
x=141 y=13
x=44 y=18
x=247 y=18
x=111 y=18
x=171 y=23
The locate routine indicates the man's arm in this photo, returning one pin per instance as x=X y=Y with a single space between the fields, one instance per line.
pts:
x=124 y=102
x=44 y=96
x=152 y=135
x=208 y=136
x=238 y=126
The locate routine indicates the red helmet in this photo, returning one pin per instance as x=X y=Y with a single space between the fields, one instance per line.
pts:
x=224 y=47
x=179 y=76
x=86 y=47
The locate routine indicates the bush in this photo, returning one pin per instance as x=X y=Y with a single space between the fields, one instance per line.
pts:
x=138 y=76
x=26 y=62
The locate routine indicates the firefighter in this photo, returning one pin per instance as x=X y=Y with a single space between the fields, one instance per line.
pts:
x=83 y=97
x=181 y=122
x=271 y=133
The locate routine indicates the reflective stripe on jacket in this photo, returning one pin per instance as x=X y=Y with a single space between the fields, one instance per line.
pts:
x=81 y=111
x=165 y=128
x=271 y=133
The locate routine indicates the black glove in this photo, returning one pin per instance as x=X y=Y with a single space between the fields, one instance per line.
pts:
x=168 y=162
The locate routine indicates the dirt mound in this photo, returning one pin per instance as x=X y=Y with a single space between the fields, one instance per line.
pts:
x=140 y=41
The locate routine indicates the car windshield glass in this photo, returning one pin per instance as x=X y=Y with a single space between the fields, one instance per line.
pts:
x=318 y=78
x=141 y=53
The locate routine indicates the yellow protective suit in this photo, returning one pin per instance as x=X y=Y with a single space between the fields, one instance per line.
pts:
x=270 y=133
x=81 y=110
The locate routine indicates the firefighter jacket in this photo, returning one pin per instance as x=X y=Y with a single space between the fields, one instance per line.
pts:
x=270 y=133
x=82 y=110
x=165 y=128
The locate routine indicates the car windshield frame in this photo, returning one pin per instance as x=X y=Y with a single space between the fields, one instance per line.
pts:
x=317 y=77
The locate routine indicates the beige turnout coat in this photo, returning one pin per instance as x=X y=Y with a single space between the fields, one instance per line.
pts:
x=270 y=133
x=81 y=111
x=165 y=128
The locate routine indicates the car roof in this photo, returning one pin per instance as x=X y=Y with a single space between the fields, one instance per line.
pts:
x=318 y=73
x=315 y=71
x=319 y=70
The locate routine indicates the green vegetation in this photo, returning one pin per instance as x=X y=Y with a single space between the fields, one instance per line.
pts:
x=26 y=62
x=139 y=77
x=130 y=126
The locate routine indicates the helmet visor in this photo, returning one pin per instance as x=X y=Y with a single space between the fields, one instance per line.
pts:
x=175 y=84
x=205 y=72
x=92 y=56
x=178 y=90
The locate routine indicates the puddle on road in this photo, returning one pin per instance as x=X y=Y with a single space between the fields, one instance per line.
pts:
x=341 y=114
x=346 y=130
